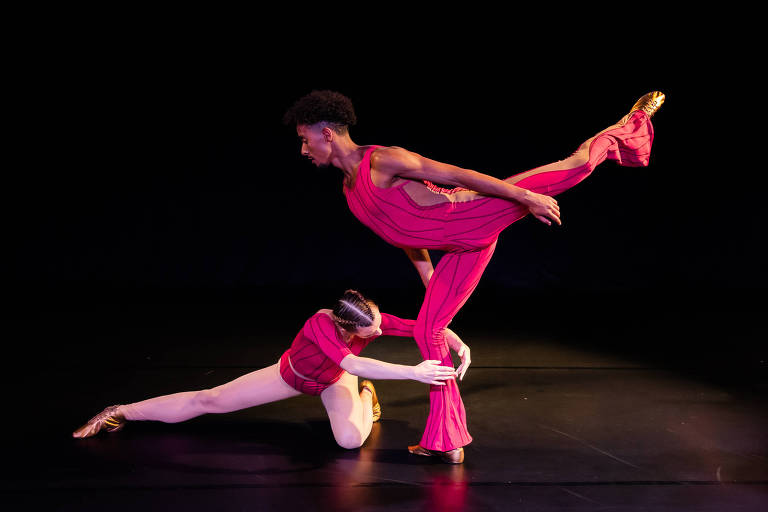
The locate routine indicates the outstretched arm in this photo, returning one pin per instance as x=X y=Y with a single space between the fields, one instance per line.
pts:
x=422 y=262
x=397 y=162
x=429 y=371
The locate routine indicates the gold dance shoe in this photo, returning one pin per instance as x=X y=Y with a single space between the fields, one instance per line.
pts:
x=650 y=103
x=455 y=456
x=108 y=419
x=366 y=384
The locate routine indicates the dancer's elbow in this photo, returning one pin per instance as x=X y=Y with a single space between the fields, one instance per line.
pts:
x=350 y=363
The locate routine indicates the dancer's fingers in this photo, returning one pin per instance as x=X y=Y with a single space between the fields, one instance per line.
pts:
x=437 y=383
x=439 y=366
x=463 y=369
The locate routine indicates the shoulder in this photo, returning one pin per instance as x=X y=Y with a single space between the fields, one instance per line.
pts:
x=322 y=316
x=393 y=158
x=319 y=322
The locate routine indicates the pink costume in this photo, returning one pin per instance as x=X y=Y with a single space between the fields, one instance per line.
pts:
x=312 y=362
x=468 y=231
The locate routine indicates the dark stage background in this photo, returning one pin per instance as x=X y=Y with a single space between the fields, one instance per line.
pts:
x=160 y=188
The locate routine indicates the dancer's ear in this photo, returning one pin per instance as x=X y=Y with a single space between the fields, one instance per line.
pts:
x=328 y=133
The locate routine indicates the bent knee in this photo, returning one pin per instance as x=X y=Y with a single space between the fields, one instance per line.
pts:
x=433 y=335
x=350 y=440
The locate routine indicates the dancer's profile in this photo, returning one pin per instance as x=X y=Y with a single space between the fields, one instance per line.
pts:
x=392 y=191
x=322 y=360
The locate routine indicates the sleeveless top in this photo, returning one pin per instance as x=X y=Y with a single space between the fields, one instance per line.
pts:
x=393 y=215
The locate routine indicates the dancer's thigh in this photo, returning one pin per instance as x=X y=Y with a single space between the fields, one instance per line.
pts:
x=455 y=278
x=255 y=388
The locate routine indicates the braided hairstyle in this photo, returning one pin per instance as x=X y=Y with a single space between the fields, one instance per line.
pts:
x=353 y=311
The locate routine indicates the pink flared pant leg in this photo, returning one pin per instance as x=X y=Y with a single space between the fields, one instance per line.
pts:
x=480 y=222
x=453 y=281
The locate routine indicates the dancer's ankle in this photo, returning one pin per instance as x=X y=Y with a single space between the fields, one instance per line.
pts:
x=119 y=413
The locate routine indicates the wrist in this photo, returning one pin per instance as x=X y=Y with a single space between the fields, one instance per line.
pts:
x=524 y=196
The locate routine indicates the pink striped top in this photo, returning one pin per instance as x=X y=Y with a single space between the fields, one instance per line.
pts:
x=318 y=348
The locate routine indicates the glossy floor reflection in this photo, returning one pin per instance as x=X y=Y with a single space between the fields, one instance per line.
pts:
x=558 y=424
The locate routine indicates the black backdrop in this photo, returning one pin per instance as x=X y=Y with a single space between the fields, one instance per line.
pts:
x=166 y=175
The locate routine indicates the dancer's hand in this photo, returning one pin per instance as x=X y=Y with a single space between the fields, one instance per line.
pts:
x=431 y=372
x=466 y=360
x=544 y=208
x=461 y=349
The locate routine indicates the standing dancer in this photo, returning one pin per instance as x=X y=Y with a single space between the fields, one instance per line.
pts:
x=321 y=361
x=391 y=190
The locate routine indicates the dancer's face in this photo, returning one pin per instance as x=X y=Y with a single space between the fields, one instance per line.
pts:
x=316 y=142
x=372 y=330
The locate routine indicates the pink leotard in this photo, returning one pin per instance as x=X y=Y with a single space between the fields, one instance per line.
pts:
x=468 y=231
x=312 y=362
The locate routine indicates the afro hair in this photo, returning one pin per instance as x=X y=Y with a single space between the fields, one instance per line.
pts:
x=317 y=106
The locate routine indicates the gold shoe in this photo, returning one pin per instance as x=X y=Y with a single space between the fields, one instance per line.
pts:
x=108 y=419
x=455 y=456
x=649 y=103
x=366 y=384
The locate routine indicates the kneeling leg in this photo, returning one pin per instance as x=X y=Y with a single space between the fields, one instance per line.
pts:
x=349 y=410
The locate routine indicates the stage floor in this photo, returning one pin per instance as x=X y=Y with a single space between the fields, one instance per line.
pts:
x=558 y=423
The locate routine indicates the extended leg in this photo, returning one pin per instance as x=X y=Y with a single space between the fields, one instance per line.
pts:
x=349 y=410
x=255 y=388
x=628 y=143
x=477 y=223
x=455 y=278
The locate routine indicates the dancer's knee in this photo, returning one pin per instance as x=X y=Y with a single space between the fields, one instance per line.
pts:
x=349 y=439
x=429 y=335
x=207 y=400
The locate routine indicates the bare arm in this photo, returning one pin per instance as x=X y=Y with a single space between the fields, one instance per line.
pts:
x=397 y=162
x=422 y=262
x=429 y=371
